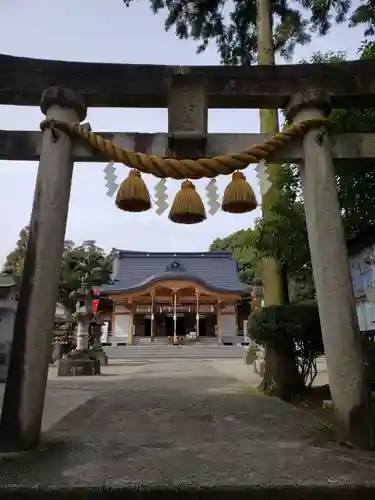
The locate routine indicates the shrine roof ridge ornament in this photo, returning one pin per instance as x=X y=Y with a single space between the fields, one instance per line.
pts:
x=22 y=81
x=175 y=266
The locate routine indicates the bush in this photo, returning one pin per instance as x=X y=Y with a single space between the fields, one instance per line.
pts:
x=298 y=322
x=293 y=330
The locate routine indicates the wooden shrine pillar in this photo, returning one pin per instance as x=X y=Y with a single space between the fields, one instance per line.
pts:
x=152 y=325
x=175 y=290
x=22 y=410
x=197 y=314
x=338 y=318
x=219 y=323
x=131 y=323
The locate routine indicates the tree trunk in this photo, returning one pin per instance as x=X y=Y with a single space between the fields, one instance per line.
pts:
x=272 y=272
x=269 y=123
x=281 y=376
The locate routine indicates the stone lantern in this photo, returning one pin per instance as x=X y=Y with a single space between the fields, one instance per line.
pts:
x=81 y=361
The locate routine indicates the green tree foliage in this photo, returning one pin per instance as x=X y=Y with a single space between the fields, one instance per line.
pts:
x=293 y=335
x=14 y=261
x=232 y=25
x=365 y=14
x=300 y=322
x=355 y=183
x=283 y=235
x=86 y=262
x=240 y=245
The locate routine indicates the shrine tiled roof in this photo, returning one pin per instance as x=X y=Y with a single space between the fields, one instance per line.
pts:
x=133 y=271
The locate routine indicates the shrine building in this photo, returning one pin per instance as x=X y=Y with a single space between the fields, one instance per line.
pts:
x=159 y=295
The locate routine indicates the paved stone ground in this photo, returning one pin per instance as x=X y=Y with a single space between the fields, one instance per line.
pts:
x=59 y=403
x=192 y=423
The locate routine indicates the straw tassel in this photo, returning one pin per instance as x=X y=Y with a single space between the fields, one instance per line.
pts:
x=133 y=195
x=188 y=207
x=239 y=196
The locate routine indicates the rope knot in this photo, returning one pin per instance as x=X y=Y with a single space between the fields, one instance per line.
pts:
x=50 y=123
x=47 y=123
x=187 y=185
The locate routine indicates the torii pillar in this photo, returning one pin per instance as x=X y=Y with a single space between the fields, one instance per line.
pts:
x=337 y=311
x=25 y=389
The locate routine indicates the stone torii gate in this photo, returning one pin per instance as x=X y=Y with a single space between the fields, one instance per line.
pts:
x=64 y=90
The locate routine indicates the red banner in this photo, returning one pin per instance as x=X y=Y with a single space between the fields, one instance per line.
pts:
x=95 y=302
x=254 y=303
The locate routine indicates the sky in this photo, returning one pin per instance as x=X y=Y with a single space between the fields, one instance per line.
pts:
x=106 y=31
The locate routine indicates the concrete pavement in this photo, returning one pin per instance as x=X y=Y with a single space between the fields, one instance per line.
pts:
x=181 y=424
x=65 y=394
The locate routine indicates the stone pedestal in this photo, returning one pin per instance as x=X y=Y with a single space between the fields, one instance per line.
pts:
x=78 y=364
x=99 y=354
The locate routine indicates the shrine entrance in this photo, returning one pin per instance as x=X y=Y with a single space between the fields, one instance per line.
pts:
x=168 y=323
x=306 y=93
x=185 y=324
x=163 y=325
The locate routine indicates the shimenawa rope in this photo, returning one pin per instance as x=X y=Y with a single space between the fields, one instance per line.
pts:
x=167 y=167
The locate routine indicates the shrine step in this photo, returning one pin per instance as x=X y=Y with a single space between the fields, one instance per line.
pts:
x=159 y=352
